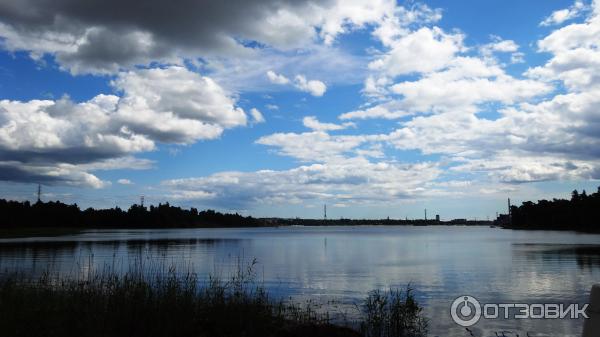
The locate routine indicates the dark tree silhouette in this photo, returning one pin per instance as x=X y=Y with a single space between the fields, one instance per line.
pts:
x=56 y=214
x=581 y=213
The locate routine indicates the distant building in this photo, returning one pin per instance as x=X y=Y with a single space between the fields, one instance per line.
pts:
x=437 y=217
x=502 y=220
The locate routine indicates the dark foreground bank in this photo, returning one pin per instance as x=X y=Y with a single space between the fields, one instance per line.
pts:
x=174 y=304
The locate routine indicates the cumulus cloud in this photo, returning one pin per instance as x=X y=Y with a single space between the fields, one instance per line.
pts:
x=534 y=134
x=562 y=15
x=421 y=51
x=555 y=138
x=313 y=87
x=257 y=116
x=351 y=181
x=277 y=78
x=94 y=38
x=447 y=98
x=175 y=105
x=313 y=146
x=498 y=45
x=63 y=139
x=313 y=123
x=125 y=182
x=575 y=57
x=398 y=24
x=466 y=83
x=384 y=111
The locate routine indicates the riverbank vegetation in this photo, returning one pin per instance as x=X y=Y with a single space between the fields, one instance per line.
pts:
x=580 y=213
x=139 y=303
x=17 y=214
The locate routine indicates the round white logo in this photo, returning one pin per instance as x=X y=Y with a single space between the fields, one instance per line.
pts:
x=465 y=310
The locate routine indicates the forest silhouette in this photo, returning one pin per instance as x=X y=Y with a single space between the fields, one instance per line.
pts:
x=581 y=213
x=58 y=214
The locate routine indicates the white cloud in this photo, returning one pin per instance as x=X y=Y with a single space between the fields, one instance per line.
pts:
x=62 y=140
x=257 y=116
x=509 y=167
x=50 y=128
x=421 y=51
x=376 y=87
x=562 y=15
x=466 y=83
x=345 y=15
x=517 y=57
x=313 y=123
x=277 y=78
x=351 y=181
x=533 y=137
x=175 y=105
x=575 y=57
x=317 y=146
x=555 y=139
x=394 y=26
x=502 y=46
x=313 y=87
x=384 y=111
x=125 y=182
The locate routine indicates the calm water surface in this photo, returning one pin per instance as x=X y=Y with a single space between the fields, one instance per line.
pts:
x=345 y=263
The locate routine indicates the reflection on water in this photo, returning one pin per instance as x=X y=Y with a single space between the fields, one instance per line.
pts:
x=586 y=256
x=344 y=263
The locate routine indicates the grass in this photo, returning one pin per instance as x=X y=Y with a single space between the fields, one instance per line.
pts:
x=171 y=303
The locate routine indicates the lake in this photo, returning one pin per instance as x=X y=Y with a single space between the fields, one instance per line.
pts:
x=344 y=263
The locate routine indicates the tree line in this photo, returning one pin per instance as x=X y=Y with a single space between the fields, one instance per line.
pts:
x=581 y=212
x=58 y=214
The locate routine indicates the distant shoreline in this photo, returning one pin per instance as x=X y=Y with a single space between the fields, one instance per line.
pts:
x=43 y=215
x=23 y=219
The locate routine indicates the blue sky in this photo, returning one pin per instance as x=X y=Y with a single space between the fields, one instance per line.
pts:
x=375 y=108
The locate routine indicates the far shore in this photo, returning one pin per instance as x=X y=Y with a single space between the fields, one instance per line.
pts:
x=34 y=232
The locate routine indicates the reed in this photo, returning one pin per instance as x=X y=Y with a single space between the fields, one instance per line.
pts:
x=161 y=301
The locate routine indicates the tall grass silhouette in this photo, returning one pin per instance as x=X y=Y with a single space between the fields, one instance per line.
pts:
x=164 y=300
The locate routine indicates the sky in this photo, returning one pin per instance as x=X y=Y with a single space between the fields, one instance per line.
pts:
x=376 y=108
